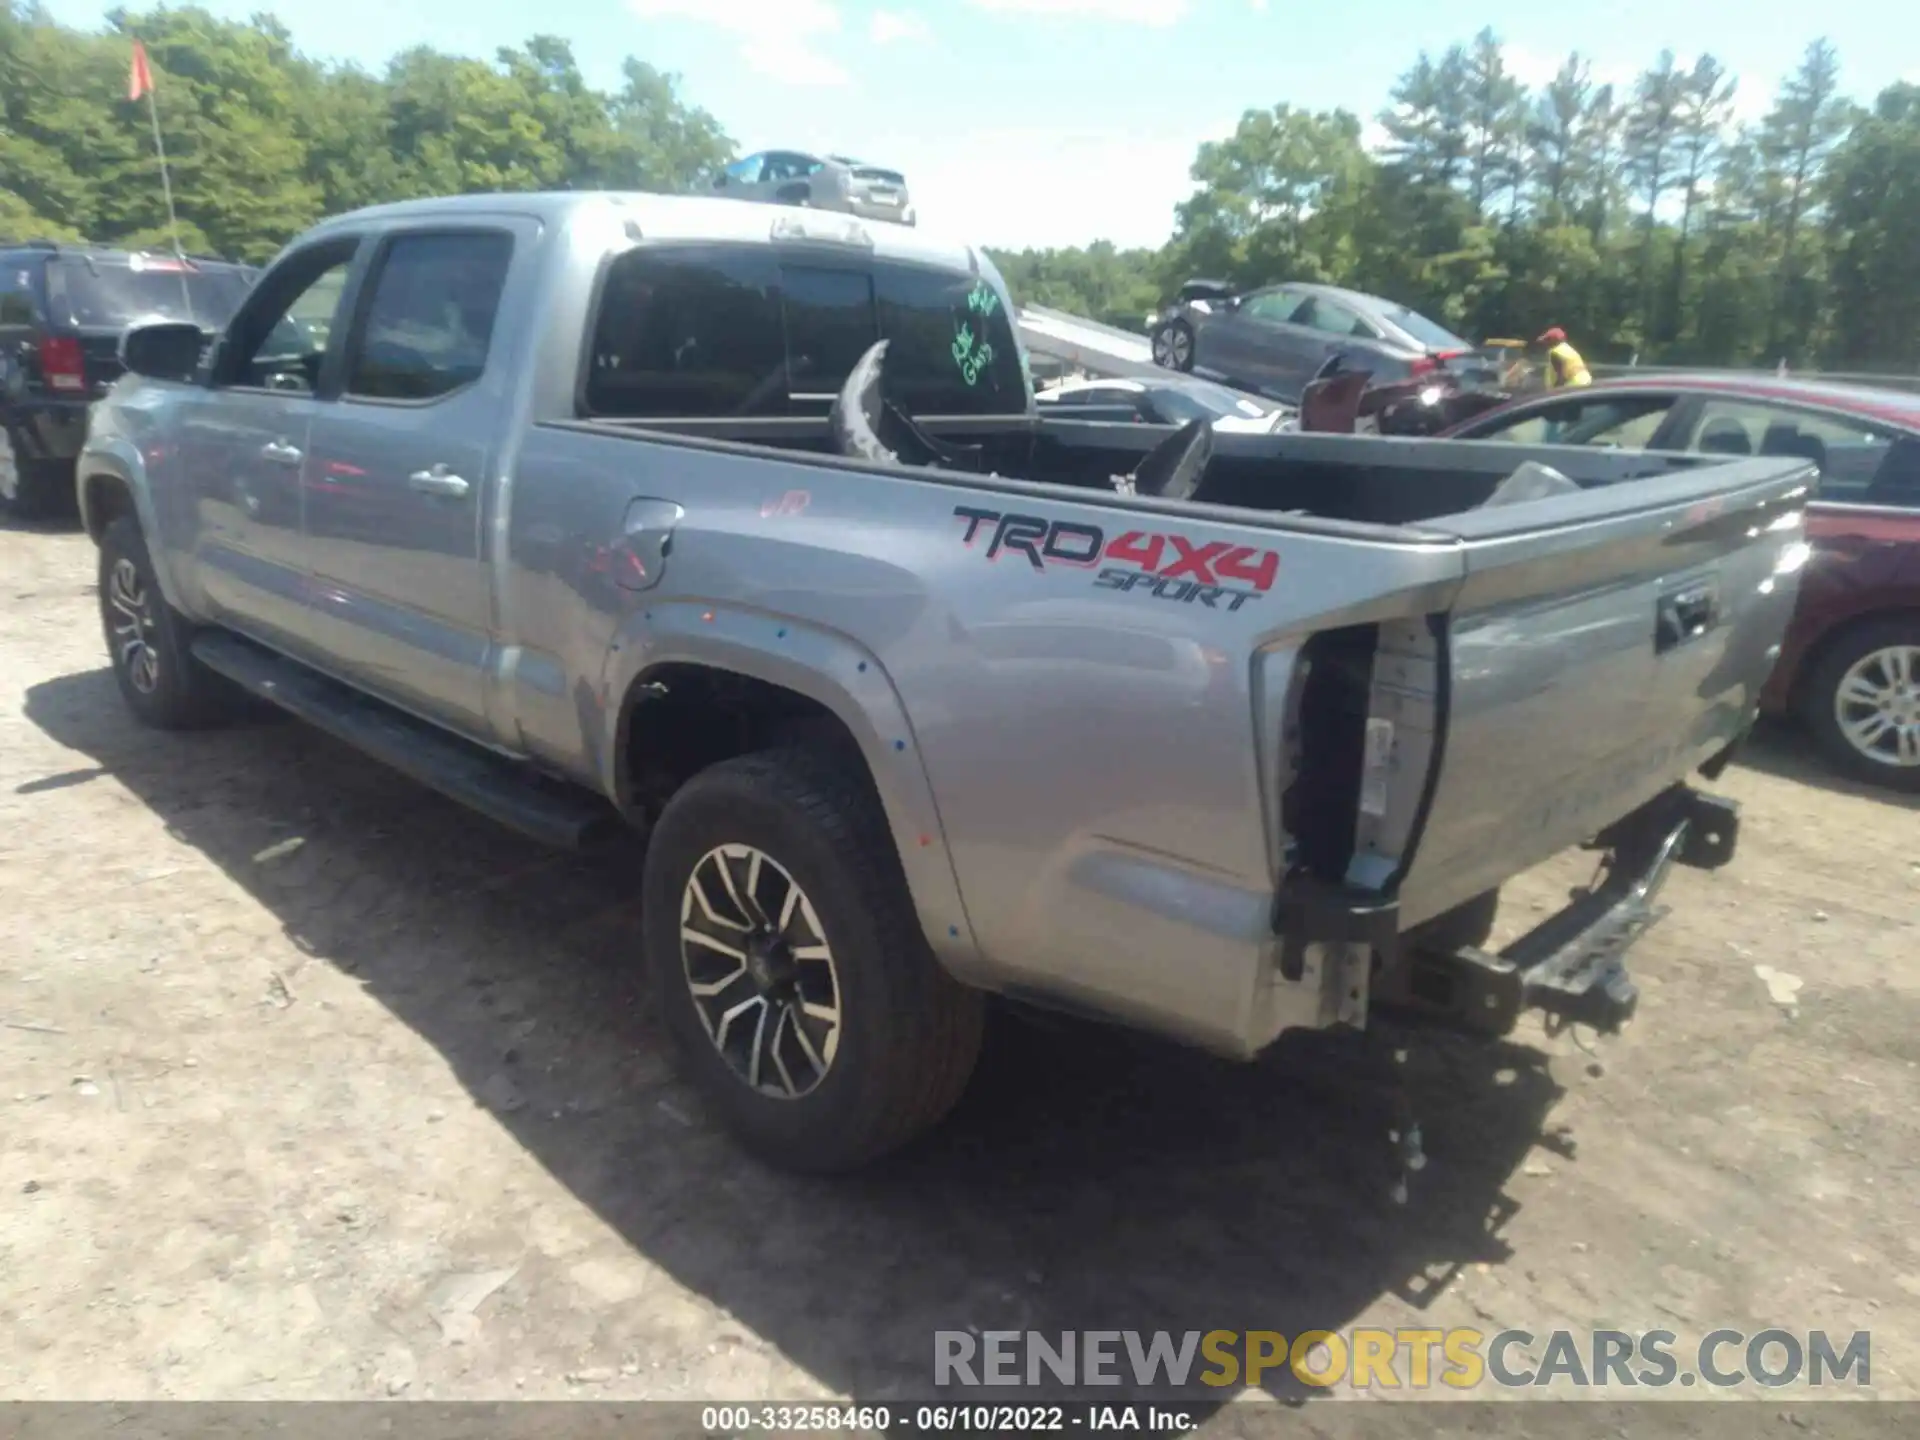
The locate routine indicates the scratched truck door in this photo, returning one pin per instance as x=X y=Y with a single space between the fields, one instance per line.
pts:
x=398 y=477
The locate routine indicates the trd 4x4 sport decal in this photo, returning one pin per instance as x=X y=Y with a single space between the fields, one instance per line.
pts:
x=1169 y=567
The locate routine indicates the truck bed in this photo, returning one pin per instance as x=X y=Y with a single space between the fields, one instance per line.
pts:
x=1440 y=696
x=1364 y=480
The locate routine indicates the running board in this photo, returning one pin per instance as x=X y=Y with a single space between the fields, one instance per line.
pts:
x=496 y=787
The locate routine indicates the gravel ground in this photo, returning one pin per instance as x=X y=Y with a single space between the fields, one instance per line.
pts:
x=315 y=1086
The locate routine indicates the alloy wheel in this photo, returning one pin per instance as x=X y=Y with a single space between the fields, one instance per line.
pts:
x=760 y=971
x=1877 y=705
x=9 y=470
x=132 y=622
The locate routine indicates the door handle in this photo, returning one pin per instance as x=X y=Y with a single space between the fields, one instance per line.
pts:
x=1683 y=616
x=438 y=481
x=280 y=452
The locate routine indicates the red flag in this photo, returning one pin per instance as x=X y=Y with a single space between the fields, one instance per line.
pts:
x=140 y=78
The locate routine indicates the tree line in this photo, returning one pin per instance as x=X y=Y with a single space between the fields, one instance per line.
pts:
x=1643 y=219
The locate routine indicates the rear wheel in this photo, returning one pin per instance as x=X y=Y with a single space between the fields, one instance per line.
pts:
x=790 y=968
x=31 y=489
x=1173 y=346
x=1862 y=702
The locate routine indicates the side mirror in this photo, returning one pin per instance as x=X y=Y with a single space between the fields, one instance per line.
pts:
x=165 y=350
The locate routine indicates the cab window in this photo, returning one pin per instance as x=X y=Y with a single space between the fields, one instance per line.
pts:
x=1275 y=305
x=713 y=331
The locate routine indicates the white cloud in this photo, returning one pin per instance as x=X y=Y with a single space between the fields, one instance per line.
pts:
x=1019 y=187
x=888 y=26
x=780 y=39
x=1157 y=14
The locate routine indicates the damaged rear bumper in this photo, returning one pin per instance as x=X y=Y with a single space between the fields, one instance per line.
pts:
x=1571 y=967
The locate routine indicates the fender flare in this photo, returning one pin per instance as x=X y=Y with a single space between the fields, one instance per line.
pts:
x=119 y=461
x=831 y=669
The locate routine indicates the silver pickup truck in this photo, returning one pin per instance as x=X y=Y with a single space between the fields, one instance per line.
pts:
x=737 y=524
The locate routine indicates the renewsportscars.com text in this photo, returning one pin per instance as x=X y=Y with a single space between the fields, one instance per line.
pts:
x=1381 y=1359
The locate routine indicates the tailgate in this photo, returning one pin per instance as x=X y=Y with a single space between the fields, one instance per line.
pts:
x=1603 y=646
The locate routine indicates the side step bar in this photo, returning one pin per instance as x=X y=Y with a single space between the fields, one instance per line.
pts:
x=545 y=811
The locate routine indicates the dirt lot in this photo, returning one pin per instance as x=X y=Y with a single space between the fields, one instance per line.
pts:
x=314 y=1086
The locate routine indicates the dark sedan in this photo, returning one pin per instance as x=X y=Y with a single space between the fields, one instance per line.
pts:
x=1276 y=339
x=1850 y=667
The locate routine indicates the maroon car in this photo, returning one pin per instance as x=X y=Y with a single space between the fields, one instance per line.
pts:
x=1850 y=667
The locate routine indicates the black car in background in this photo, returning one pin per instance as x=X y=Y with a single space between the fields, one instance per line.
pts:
x=62 y=311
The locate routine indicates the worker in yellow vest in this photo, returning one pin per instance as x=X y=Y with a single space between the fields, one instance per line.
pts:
x=1564 y=365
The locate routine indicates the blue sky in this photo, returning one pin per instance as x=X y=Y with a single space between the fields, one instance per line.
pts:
x=1057 y=122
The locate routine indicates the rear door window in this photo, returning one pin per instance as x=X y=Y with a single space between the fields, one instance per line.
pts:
x=17 y=307
x=1851 y=454
x=689 y=332
x=1274 y=305
x=1330 y=317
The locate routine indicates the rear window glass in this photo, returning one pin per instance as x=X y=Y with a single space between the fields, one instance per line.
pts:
x=711 y=331
x=954 y=351
x=119 y=291
x=1428 y=333
x=830 y=324
x=689 y=332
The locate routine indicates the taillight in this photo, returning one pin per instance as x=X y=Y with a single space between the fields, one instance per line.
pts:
x=1422 y=365
x=61 y=362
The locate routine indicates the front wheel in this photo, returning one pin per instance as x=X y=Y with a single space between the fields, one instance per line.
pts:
x=1863 y=702
x=147 y=640
x=1173 y=346
x=790 y=967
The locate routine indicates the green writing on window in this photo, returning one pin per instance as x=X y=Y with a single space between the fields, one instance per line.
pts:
x=982 y=300
x=971 y=355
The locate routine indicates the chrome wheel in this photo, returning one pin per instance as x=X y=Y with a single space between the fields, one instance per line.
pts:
x=132 y=625
x=9 y=470
x=760 y=970
x=1171 y=347
x=1877 y=705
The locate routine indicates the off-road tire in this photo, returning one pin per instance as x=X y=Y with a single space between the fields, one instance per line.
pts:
x=184 y=694
x=1818 y=692
x=909 y=1032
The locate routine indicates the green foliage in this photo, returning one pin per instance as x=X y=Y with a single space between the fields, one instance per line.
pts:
x=262 y=141
x=1641 y=219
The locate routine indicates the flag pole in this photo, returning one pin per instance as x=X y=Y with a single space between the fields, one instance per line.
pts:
x=140 y=82
x=166 y=182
